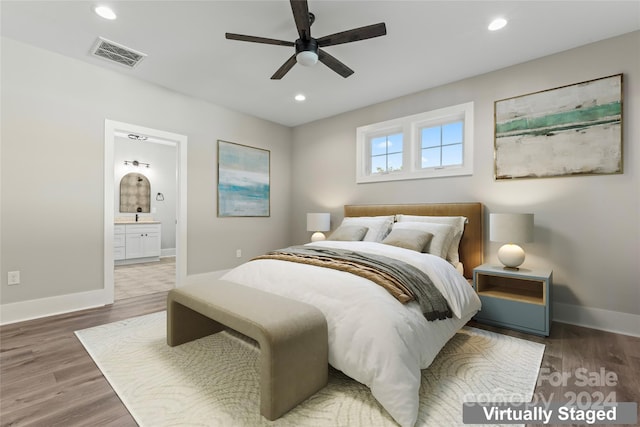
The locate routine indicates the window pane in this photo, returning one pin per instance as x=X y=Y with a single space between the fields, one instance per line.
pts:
x=378 y=164
x=378 y=145
x=452 y=155
x=395 y=143
x=452 y=133
x=431 y=157
x=386 y=153
x=430 y=137
x=395 y=162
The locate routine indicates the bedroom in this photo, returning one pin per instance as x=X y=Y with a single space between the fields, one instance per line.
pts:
x=53 y=111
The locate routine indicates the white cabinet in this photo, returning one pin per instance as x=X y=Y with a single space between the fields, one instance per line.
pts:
x=119 y=242
x=141 y=242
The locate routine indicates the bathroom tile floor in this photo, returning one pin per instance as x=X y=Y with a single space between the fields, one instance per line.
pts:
x=143 y=279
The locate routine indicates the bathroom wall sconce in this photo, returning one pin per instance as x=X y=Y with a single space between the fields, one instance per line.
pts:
x=160 y=197
x=136 y=163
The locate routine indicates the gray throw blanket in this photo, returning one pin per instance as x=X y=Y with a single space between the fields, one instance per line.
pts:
x=402 y=280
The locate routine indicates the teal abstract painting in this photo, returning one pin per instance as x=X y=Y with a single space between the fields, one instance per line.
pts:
x=567 y=131
x=243 y=180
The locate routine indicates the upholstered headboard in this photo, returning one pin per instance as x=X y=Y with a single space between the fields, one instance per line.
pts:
x=472 y=243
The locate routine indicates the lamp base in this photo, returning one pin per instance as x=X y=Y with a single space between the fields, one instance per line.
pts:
x=317 y=237
x=512 y=256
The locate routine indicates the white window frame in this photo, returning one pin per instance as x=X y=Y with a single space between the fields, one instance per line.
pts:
x=387 y=130
x=410 y=127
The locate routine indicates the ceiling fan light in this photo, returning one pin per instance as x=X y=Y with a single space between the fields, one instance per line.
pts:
x=307 y=58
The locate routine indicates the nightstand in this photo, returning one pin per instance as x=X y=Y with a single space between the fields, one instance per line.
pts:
x=515 y=299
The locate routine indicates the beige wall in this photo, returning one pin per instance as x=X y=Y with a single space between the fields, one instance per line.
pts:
x=53 y=112
x=587 y=228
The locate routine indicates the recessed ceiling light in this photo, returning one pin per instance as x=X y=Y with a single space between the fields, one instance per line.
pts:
x=497 y=24
x=105 y=12
x=300 y=97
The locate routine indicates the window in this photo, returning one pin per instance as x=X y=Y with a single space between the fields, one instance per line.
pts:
x=427 y=145
x=386 y=153
x=441 y=145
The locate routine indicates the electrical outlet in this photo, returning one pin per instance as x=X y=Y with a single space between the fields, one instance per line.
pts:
x=238 y=253
x=13 y=278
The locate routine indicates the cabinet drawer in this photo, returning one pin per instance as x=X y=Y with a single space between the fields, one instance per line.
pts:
x=119 y=253
x=118 y=240
x=142 y=228
x=513 y=313
x=119 y=229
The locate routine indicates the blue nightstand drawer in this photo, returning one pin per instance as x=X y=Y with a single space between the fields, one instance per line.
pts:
x=516 y=299
x=531 y=317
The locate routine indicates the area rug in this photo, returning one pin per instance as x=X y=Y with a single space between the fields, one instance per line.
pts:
x=214 y=381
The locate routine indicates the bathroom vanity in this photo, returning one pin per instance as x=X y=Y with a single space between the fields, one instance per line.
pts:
x=136 y=242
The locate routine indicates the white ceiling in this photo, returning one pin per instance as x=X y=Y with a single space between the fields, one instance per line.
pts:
x=428 y=43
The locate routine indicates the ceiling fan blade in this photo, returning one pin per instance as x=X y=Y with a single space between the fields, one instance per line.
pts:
x=284 y=69
x=254 y=39
x=300 y=10
x=362 y=33
x=334 y=64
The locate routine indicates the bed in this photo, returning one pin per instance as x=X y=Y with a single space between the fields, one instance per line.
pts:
x=373 y=337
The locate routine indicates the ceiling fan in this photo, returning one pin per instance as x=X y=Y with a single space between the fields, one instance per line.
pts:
x=308 y=50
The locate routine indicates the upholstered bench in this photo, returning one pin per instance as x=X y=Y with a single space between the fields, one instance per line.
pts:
x=292 y=336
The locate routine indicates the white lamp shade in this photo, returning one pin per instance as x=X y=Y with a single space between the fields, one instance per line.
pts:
x=511 y=227
x=318 y=222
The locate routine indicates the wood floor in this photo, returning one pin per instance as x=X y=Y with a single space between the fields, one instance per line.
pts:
x=134 y=280
x=48 y=379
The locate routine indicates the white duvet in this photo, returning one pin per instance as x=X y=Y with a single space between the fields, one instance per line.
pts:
x=373 y=338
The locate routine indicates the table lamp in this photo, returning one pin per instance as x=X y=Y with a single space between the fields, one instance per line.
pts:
x=512 y=229
x=318 y=222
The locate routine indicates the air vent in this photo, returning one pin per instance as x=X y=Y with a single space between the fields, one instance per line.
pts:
x=115 y=52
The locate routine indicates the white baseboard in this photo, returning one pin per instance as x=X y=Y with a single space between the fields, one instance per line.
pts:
x=50 y=306
x=597 y=318
x=167 y=252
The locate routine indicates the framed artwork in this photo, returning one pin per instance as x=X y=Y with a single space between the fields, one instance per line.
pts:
x=567 y=131
x=243 y=180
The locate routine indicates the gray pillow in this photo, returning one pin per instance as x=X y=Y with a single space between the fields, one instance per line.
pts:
x=409 y=239
x=349 y=233
x=442 y=235
x=379 y=226
x=457 y=222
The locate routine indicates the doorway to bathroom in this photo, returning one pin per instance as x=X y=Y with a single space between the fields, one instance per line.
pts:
x=145 y=210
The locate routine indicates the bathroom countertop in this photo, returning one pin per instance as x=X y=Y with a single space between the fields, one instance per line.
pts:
x=134 y=222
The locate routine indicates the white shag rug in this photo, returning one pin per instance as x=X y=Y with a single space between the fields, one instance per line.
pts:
x=214 y=381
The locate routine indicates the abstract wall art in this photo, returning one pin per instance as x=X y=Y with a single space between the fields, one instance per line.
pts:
x=567 y=131
x=243 y=180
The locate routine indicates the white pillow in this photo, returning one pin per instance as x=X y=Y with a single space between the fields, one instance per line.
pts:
x=442 y=235
x=379 y=226
x=457 y=222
